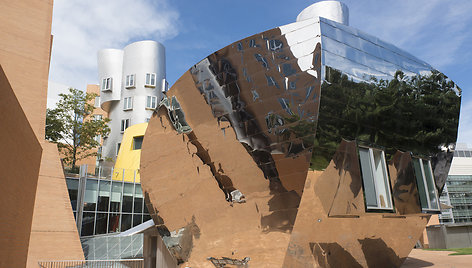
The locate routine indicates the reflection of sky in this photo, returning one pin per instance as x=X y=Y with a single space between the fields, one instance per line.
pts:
x=432 y=30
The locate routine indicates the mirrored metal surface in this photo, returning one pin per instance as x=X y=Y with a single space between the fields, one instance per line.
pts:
x=269 y=158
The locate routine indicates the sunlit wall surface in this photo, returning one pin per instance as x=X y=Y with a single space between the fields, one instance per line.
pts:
x=315 y=135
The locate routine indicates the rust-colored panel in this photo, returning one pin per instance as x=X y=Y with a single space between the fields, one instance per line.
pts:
x=238 y=175
x=370 y=240
x=54 y=233
x=24 y=53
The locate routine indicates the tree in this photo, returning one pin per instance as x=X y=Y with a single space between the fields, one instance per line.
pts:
x=72 y=127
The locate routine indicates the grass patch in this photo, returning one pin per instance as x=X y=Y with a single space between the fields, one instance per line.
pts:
x=458 y=251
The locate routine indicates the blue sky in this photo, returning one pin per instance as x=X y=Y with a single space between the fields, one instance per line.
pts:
x=436 y=31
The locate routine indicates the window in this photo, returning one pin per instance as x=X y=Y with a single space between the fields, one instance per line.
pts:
x=151 y=102
x=127 y=103
x=99 y=153
x=129 y=81
x=124 y=124
x=118 y=145
x=137 y=142
x=425 y=182
x=150 y=80
x=97 y=102
x=106 y=84
x=375 y=179
x=165 y=85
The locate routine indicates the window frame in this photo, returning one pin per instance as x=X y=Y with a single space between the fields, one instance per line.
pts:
x=150 y=82
x=425 y=184
x=130 y=81
x=377 y=183
x=118 y=146
x=125 y=123
x=134 y=142
x=151 y=98
x=127 y=103
x=107 y=84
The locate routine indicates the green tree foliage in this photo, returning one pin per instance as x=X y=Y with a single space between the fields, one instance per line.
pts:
x=418 y=114
x=71 y=126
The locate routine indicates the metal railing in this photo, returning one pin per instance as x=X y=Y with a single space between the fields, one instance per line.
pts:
x=136 y=263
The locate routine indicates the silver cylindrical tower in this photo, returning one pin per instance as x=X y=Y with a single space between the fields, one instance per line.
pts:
x=332 y=10
x=131 y=85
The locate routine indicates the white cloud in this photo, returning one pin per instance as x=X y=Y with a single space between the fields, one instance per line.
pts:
x=54 y=89
x=82 y=27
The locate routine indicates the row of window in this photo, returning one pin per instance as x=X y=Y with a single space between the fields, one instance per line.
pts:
x=150 y=81
x=151 y=103
x=377 y=188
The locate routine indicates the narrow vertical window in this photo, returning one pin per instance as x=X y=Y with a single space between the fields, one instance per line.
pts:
x=127 y=103
x=425 y=181
x=150 y=80
x=124 y=124
x=129 y=82
x=375 y=179
x=97 y=102
x=106 y=84
x=151 y=102
x=118 y=145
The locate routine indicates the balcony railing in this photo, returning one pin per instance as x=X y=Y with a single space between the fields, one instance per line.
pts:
x=137 y=263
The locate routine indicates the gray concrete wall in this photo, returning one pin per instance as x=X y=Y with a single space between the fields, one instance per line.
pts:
x=449 y=236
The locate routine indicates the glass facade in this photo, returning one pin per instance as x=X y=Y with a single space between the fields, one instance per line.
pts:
x=458 y=194
x=103 y=206
x=113 y=247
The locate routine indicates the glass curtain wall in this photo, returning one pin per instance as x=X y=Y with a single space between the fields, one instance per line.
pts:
x=108 y=206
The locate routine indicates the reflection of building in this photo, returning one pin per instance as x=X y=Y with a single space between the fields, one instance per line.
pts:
x=36 y=218
x=311 y=144
x=131 y=81
x=458 y=189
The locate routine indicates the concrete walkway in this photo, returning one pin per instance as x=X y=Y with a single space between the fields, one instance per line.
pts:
x=426 y=258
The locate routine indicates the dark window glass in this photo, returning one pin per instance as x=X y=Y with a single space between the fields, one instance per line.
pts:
x=115 y=201
x=125 y=222
x=114 y=223
x=146 y=218
x=138 y=199
x=138 y=142
x=145 y=209
x=91 y=194
x=101 y=224
x=73 y=187
x=128 y=197
x=137 y=219
x=87 y=223
x=104 y=196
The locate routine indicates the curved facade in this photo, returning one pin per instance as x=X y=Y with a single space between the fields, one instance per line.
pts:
x=131 y=82
x=311 y=144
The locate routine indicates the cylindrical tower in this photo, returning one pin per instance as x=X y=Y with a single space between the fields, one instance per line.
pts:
x=131 y=82
x=332 y=10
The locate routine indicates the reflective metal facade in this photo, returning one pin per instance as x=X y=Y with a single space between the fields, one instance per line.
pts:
x=270 y=168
